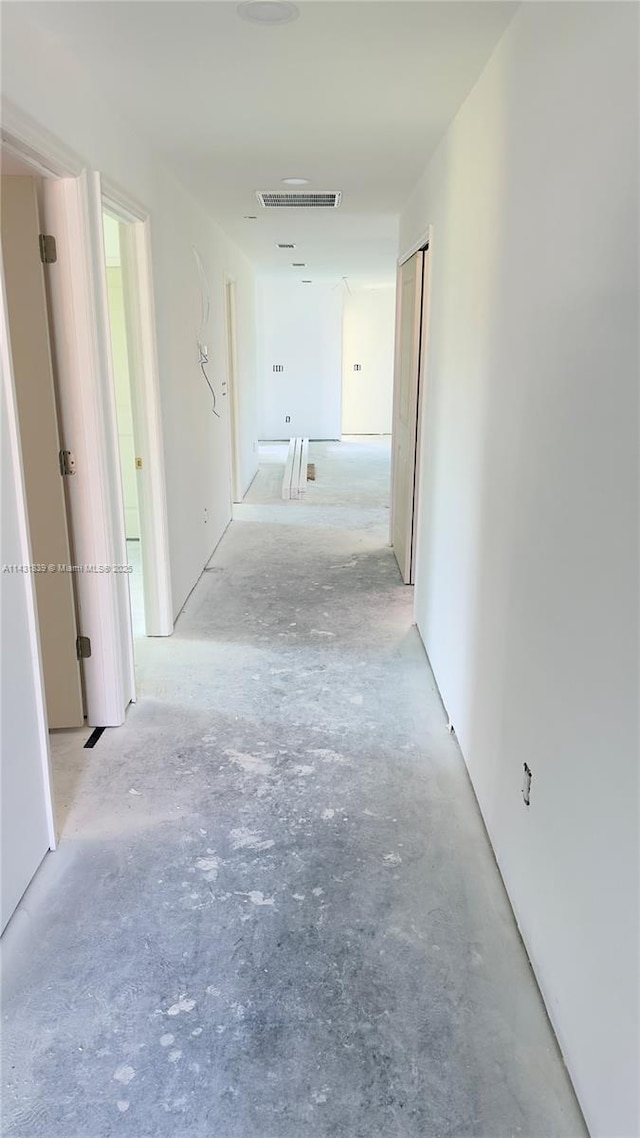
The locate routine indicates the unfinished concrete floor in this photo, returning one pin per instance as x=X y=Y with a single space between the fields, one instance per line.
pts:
x=274 y=912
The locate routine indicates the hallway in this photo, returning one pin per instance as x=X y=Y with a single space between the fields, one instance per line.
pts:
x=274 y=911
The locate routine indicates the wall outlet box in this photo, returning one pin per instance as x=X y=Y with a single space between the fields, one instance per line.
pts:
x=526 y=785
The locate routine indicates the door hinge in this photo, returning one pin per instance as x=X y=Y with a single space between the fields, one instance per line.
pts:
x=48 y=251
x=67 y=462
x=83 y=647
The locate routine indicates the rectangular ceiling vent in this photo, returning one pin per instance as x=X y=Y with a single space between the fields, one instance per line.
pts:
x=300 y=199
x=284 y=245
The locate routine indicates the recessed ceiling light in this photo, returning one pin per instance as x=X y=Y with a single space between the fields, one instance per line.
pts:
x=296 y=181
x=268 y=11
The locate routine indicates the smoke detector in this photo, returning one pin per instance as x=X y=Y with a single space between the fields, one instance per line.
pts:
x=268 y=11
x=299 y=199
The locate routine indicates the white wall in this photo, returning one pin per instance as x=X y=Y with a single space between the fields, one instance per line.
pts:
x=42 y=80
x=527 y=582
x=368 y=340
x=300 y=327
x=247 y=369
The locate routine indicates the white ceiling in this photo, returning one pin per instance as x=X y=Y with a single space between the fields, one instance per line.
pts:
x=354 y=95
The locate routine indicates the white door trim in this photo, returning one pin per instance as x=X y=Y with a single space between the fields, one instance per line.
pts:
x=27 y=140
x=422 y=243
x=117 y=201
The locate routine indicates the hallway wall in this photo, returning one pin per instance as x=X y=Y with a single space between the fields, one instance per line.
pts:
x=526 y=591
x=300 y=327
x=368 y=339
x=51 y=86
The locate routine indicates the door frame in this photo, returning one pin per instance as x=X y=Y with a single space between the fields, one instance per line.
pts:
x=96 y=500
x=422 y=244
x=144 y=378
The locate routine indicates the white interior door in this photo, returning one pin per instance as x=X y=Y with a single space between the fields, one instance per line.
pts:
x=40 y=443
x=26 y=806
x=405 y=412
x=82 y=350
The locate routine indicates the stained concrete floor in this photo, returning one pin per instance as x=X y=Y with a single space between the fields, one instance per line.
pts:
x=274 y=912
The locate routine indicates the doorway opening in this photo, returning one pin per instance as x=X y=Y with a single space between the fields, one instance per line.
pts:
x=66 y=615
x=412 y=318
x=131 y=462
x=71 y=200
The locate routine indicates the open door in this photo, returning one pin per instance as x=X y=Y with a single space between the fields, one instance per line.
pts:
x=82 y=356
x=41 y=451
x=406 y=398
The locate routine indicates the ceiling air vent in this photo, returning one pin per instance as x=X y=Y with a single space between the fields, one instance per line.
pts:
x=284 y=245
x=300 y=199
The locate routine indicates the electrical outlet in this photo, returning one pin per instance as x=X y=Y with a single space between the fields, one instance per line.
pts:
x=357 y=367
x=526 y=785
